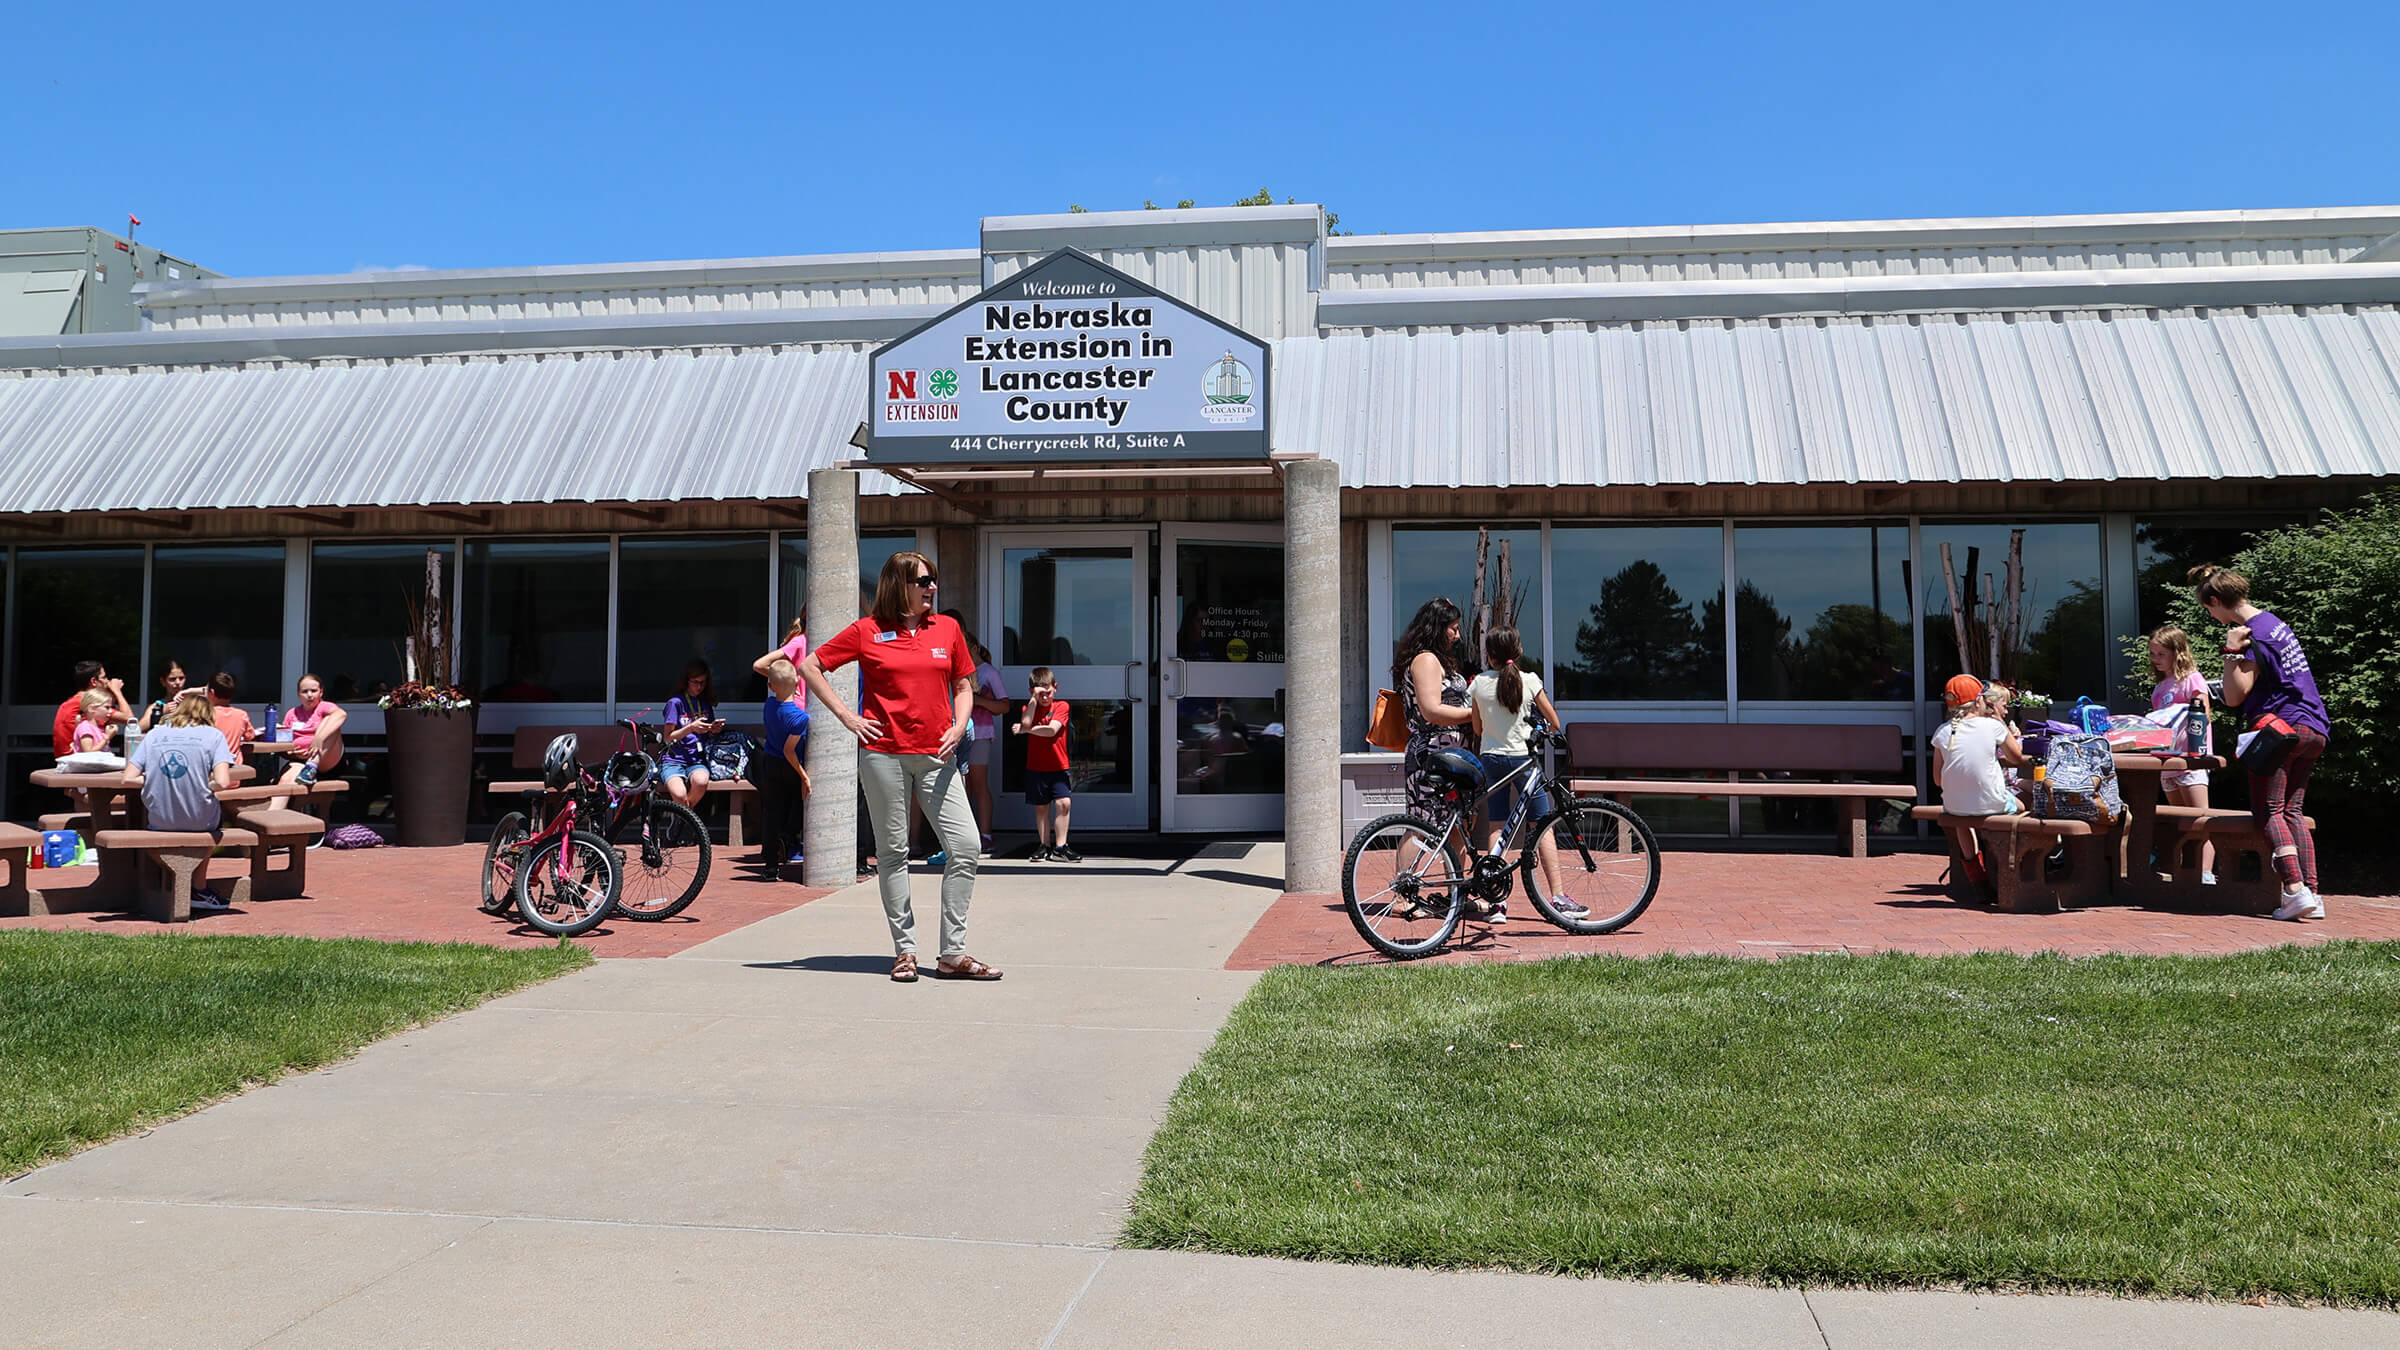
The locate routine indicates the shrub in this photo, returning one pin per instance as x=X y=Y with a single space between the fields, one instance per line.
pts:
x=2338 y=585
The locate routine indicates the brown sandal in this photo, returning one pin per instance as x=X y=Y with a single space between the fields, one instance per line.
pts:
x=968 y=968
x=904 y=967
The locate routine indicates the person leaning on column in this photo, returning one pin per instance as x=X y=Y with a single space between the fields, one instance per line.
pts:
x=916 y=693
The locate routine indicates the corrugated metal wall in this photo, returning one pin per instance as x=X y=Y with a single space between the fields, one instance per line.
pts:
x=1262 y=289
x=597 y=301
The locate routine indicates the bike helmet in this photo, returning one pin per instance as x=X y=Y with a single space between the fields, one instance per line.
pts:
x=1460 y=773
x=629 y=771
x=559 y=768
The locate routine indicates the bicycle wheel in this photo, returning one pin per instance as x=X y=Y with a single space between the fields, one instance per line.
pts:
x=500 y=860
x=1607 y=864
x=573 y=903
x=665 y=865
x=1403 y=890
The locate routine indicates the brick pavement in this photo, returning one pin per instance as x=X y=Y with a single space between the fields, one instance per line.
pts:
x=428 y=895
x=1752 y=904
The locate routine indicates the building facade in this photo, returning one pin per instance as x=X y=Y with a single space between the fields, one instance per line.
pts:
x=1727 y=462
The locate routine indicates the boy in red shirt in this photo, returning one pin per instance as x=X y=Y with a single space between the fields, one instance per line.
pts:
x=1043 y=724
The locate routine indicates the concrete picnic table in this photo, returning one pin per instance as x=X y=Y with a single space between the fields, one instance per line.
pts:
x=117 y=805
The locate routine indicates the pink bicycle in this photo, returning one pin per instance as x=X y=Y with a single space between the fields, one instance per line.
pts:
x=562 y=880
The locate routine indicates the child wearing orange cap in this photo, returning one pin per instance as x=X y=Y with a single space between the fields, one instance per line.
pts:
x=1971 y=748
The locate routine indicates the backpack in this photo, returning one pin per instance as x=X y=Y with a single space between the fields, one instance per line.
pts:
x=727 y=755
x=2080 y=781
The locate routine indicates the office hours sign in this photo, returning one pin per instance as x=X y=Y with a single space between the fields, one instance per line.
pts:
x=1069 y=361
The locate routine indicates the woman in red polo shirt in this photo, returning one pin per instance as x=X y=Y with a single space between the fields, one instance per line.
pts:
x=916 y=692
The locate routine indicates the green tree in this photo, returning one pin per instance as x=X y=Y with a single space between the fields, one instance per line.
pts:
x=1852 y=651
x=1641 y=640
x=2335 y=584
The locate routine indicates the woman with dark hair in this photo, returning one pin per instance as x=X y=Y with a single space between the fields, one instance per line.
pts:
x=916 y=699
x=1433 y=698
x=2267 y=675
x=691 y=718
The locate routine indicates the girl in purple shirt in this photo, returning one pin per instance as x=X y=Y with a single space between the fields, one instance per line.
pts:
x=2266 y=673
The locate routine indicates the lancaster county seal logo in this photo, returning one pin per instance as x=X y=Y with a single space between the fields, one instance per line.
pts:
x=1226 y=392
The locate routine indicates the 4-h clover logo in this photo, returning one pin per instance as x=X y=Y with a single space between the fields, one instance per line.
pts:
x=944 y=384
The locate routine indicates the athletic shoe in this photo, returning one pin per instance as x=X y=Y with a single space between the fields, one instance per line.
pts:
x=1499 y=914
x=987 y=843
x=940 y=857
x=1041 y=853
x=1568 y=909
x=2301 y=904
x=2208 y=878
x=1065 y=855
x=209 y=901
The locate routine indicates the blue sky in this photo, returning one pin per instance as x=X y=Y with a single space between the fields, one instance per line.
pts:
x=329 y=138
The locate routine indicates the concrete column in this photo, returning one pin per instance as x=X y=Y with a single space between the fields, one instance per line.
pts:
x=830 y=832
x=1312 y=671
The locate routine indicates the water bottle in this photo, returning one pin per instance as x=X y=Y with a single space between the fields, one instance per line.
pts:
x=133 y=738
x=2195 y=727
x=274 y=715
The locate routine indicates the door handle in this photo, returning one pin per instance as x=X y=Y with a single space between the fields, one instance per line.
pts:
x=1180 y=679
x=1130 y=696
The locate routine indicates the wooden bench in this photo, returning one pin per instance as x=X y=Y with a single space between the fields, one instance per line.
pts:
x=1734 y=749
x=283 y=831
x=596 y=744
x=171 y=861
x=17 y=899
x=2014 y=852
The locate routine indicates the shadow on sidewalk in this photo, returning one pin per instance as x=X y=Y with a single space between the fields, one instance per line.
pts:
x=834 y=965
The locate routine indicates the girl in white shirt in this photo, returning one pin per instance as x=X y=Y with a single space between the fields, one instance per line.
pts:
x=1502 y=699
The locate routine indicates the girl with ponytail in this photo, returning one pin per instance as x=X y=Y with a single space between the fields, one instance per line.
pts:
x=1503 y=698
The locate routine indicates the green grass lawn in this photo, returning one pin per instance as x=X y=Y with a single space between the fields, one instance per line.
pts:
x=2222 y=1126
x=100 y=1034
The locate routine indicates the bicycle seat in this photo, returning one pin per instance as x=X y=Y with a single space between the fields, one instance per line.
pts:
x=1462 y=766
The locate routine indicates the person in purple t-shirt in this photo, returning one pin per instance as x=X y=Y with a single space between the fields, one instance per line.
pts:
x=2266 y=673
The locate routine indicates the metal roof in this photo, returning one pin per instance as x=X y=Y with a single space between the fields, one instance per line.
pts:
x=1994 y=397
x=2059 y=397
x=643 y=426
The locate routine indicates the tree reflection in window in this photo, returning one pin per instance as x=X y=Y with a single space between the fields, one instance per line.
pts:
x=1821 y=612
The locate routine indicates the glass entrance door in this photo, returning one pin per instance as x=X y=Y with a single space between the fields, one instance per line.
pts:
x=1221 y=704
x=1077 y=602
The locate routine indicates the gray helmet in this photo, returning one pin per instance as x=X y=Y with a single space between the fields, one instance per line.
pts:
x=558 y=762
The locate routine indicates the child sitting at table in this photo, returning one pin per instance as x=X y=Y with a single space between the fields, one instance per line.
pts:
x=91 y=733
x=182 y=765
x=1970 y=749
x=2178 y=684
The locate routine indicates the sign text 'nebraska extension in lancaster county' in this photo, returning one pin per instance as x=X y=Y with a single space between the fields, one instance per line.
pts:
x=1071 y=359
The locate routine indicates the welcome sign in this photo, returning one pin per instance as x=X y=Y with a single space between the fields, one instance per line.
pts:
x=1069 y=360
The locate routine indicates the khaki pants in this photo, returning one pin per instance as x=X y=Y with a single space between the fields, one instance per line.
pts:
x=888 y=781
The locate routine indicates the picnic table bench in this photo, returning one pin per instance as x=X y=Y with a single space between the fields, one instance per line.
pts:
x=1835 y=751
x=167 y=862
x=2016 y=850
x=16 y=898
x=525 y=752
x=139 y=867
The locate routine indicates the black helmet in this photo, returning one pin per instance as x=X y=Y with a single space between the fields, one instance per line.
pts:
x=629 y=771
x=558 y=762
x=1461 y=771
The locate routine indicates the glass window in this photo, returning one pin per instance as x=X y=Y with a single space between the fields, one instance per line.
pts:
x=2064 y=651
x=1820 y=612
x=2166 y=550
x=874 y=550
x=1229 y=601
x=685 y=599
x=534 y=615
x=215 y=608
x=1439 y=560
x=1067 y=607
x=1640 y=611
x=358 y=600
x=76 y=605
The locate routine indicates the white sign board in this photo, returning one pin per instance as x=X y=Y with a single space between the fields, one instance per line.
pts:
x=1069 y=360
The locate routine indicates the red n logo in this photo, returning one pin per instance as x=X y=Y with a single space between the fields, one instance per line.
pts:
x=900 y=384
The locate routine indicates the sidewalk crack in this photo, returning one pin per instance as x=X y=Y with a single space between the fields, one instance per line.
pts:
x=348 y=1294
x=1817 y=1321
x=1069 y=1311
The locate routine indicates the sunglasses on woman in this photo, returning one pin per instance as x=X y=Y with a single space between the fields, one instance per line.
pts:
x=928 y=581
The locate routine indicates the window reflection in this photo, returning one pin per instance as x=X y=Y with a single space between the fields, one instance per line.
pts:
x=359 y=596
x=1431 y=560
x=874 y=550
x=1821 y=612
x=76 y=605
x=1100 y=734
x=2166 y=550
x=1227 y=745
x=217 y=608
x=1640 y=611
x=1067 y=607
x=680 y=599
x=2064 y=652
x=1229 y=602
x=535 y=616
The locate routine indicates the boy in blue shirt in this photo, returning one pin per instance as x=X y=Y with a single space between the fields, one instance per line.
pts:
x=781 y=772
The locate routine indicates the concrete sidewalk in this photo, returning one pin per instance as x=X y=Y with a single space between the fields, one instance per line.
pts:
x=763 y=1141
